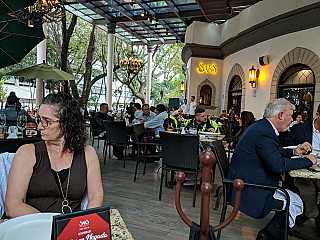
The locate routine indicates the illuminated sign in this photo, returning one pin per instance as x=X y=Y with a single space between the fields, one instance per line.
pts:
x=207 y=68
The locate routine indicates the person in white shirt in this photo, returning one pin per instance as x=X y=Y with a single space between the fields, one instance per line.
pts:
x=185 y=107
x=137 y=114
x=157 y=122
x=193 y=106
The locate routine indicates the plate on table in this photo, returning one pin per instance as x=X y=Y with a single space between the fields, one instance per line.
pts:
x=209 y=133
x=29 y=227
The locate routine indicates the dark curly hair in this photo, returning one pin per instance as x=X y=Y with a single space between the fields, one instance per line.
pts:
x=70 y=118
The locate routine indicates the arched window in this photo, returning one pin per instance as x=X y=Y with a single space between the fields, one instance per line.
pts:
x=234 y=95
x=296 y=84
x=205 y=95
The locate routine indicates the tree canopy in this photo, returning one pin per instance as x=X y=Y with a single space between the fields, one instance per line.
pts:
x=82 y=51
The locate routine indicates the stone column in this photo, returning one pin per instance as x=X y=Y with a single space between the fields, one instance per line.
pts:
x=148 y=85
x=111 y=36
x=41 y=56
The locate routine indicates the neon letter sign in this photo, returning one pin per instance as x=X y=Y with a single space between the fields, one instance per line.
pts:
x=207 y=68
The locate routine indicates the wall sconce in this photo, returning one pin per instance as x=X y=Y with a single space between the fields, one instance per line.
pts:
x=182 y=87
x=253 y=76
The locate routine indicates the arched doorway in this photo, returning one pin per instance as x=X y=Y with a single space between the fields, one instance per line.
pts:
x=234 y=94
x=297 y=84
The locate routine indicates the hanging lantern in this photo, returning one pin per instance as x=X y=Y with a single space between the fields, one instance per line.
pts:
x=182 y=87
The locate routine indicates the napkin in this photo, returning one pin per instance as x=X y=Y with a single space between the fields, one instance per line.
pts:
x=13 y=129
x=295 y=205
x=12 y=136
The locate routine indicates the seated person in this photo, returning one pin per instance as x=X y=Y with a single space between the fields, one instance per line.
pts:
x=147 y=114
x=298 y=120
x=157 y=123
x=102 y=115
x=13 y=110
x=202 y=122
x=258 y=159
x=223 y=116
x=174 y=111
x=54 y=175
x=246 y=119
x=137 y=113
x=300 y=133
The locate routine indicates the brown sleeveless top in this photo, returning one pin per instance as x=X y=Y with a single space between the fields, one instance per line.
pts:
x=43 y=192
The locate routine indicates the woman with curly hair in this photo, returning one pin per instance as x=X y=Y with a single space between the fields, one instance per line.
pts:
x=54 y=175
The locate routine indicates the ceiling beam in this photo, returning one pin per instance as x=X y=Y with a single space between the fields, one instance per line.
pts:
x=171 y=15
x=202 y=10
x=175 y=10
x=130 y=16
x=151 y=12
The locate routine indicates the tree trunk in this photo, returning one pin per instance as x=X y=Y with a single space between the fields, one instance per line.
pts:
x=88 y=69
x=66 y=36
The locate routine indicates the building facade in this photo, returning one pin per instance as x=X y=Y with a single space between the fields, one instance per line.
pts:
x=285 y=39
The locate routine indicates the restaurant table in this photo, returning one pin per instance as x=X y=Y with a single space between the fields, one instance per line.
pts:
x=12 y=145
x=304 y=173
x=119 y=229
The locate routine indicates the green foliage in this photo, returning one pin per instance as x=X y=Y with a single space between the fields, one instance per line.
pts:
x=3 y=91
x=167 y=73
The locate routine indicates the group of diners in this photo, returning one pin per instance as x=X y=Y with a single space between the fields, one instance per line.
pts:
x=56 y=174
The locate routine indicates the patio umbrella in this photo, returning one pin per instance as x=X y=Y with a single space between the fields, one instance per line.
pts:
x=16 y=38
x=43 y=71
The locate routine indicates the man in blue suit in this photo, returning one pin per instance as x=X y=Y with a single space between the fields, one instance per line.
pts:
x=300 y=133
x=259 y=159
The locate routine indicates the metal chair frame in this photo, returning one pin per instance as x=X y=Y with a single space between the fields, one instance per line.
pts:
x=223 y=164
x=139 y=132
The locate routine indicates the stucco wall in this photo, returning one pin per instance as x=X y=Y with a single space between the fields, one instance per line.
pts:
x=276 y=48
x=196 y=79
x=214 y=35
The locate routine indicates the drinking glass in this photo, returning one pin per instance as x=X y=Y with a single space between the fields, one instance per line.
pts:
x=2 y=120
x=22 y=122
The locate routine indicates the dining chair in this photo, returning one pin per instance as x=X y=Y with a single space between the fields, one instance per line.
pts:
x=116 y=136
x=144 y=146
x=180 y=152
x=223 y=165
x=95 y=131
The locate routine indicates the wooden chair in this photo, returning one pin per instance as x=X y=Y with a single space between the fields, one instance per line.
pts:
x=223 y=164
x=205 y=231
x=179 y=153
x=139 y=133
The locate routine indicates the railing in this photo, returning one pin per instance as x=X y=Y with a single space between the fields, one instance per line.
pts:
x=207 y=159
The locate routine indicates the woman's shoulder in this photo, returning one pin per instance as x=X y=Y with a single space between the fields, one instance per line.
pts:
x=26 y=149
x=25 y=154
x=89 y=150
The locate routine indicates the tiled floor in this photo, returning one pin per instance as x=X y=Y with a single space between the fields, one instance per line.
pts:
x=148 y=218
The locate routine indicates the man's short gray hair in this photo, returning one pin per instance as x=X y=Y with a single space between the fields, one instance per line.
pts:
x=276 y=106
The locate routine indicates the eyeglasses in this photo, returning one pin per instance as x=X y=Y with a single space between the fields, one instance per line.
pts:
x=145 y=109
x=46 y=123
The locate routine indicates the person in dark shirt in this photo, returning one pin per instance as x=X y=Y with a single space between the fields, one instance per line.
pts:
x=102 y=115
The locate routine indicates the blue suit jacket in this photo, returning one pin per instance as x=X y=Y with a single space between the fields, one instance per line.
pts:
x=300 y=133
x=258 y=159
